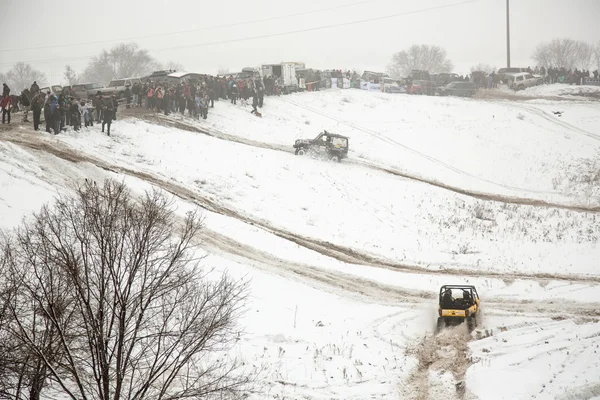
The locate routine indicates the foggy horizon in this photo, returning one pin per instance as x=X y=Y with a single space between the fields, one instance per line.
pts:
x=471 y=32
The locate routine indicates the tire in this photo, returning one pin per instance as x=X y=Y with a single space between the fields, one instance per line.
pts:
x=335 y=158
x=300 y=152
x=441 y=324
x=521 y=87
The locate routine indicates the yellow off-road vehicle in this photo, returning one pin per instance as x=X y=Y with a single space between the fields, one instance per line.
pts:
x=458 y=303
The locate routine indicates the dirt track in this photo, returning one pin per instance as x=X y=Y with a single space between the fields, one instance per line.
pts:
x=436 y=354
x=342 y=253
x=182 y=124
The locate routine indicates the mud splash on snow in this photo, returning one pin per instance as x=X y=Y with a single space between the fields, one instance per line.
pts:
x=442 y=362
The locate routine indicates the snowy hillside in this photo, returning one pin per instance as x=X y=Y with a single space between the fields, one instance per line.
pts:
x=345 y=260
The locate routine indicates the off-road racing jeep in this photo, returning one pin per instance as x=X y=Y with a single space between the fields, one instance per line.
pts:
x=329 y=145
x=458 y=303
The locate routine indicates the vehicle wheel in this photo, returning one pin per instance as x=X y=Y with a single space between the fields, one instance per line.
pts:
x=521 y=87
x=472 y=323
x=300 y=152
x=335 y=158
x=441 y=324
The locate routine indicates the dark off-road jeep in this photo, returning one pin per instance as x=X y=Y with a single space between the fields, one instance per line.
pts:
x=328 y=145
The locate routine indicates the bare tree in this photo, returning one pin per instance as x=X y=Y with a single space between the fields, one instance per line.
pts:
x=121 y=61
x=559 y=53
x=596 y=55
x=488 y=69
x=419 y=57
x=132 y=313
x=584 y=55
x=22 y=75
x=70 y=75
x=222 y=70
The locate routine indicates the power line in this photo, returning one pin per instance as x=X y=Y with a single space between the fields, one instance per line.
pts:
x=318 y=27
x=278 y=34
x=198 y=29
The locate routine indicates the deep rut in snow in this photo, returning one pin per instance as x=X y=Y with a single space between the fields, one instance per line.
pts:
x=520 y=200
x=443 y=360
x=332 y=250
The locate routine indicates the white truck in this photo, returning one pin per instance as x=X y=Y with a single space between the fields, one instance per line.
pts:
x=286 y=71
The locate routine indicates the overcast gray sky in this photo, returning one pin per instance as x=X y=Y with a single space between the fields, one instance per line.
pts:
x=471 y=33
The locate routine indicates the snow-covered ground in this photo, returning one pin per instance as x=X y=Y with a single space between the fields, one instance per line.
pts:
x=497 y=147
x=560 y=89
x=370 y=211
x=345 y=260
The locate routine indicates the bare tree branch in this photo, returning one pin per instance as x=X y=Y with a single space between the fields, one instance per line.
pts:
x=130 y=312
x=419 y=57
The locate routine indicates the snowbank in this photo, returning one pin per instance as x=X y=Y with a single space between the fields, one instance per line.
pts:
x=560 y=89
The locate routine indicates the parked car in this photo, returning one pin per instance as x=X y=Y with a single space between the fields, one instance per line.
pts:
x=54 y=89
x=117 y=87
x=328 y=145
x=85 y=90
x=465 y=89
x=419 y=87
x=389 y=85
x=521 y=80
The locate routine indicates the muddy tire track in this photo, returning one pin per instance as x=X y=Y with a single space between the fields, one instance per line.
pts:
x=557 y=121
x=446 y=352
x=353 y=286
x=519 y=200
x=328 y=249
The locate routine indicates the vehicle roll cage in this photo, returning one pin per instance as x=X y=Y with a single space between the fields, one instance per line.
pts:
x=470 y=288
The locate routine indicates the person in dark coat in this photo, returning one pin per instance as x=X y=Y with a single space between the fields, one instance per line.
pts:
x=26 y=103
x=127 y=96
x=166 y=101
x=5 y=90
x=57 y=116
x=261 y=96
x=254 y=102
x=234 y=93
x=107 y=116
x=48 y=112
x=63 y=110
x=75 y=112
x=34 y=89
x=182 y=103
x=37 y=103
x=115 y=106
x=98 y=104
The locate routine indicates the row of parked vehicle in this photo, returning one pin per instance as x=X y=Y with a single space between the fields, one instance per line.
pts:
x=420 y=82
x=88 y=90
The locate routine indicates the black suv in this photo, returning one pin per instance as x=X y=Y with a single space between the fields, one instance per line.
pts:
x=466 y=89
x=328 y=145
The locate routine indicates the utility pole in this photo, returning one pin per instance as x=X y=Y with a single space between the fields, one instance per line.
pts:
x=507 y=35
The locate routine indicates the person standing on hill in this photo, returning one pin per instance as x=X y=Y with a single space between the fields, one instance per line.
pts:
x=5 y=90
x=107 y=116
x=37 y=103
x=127 y=96
x=34 y=89
x=6 y=105
x=234 y=94
x=26 y=102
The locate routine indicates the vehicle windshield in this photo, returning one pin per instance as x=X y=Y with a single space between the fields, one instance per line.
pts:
x=93 y=86
x=56 y=88
x=116 y=83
